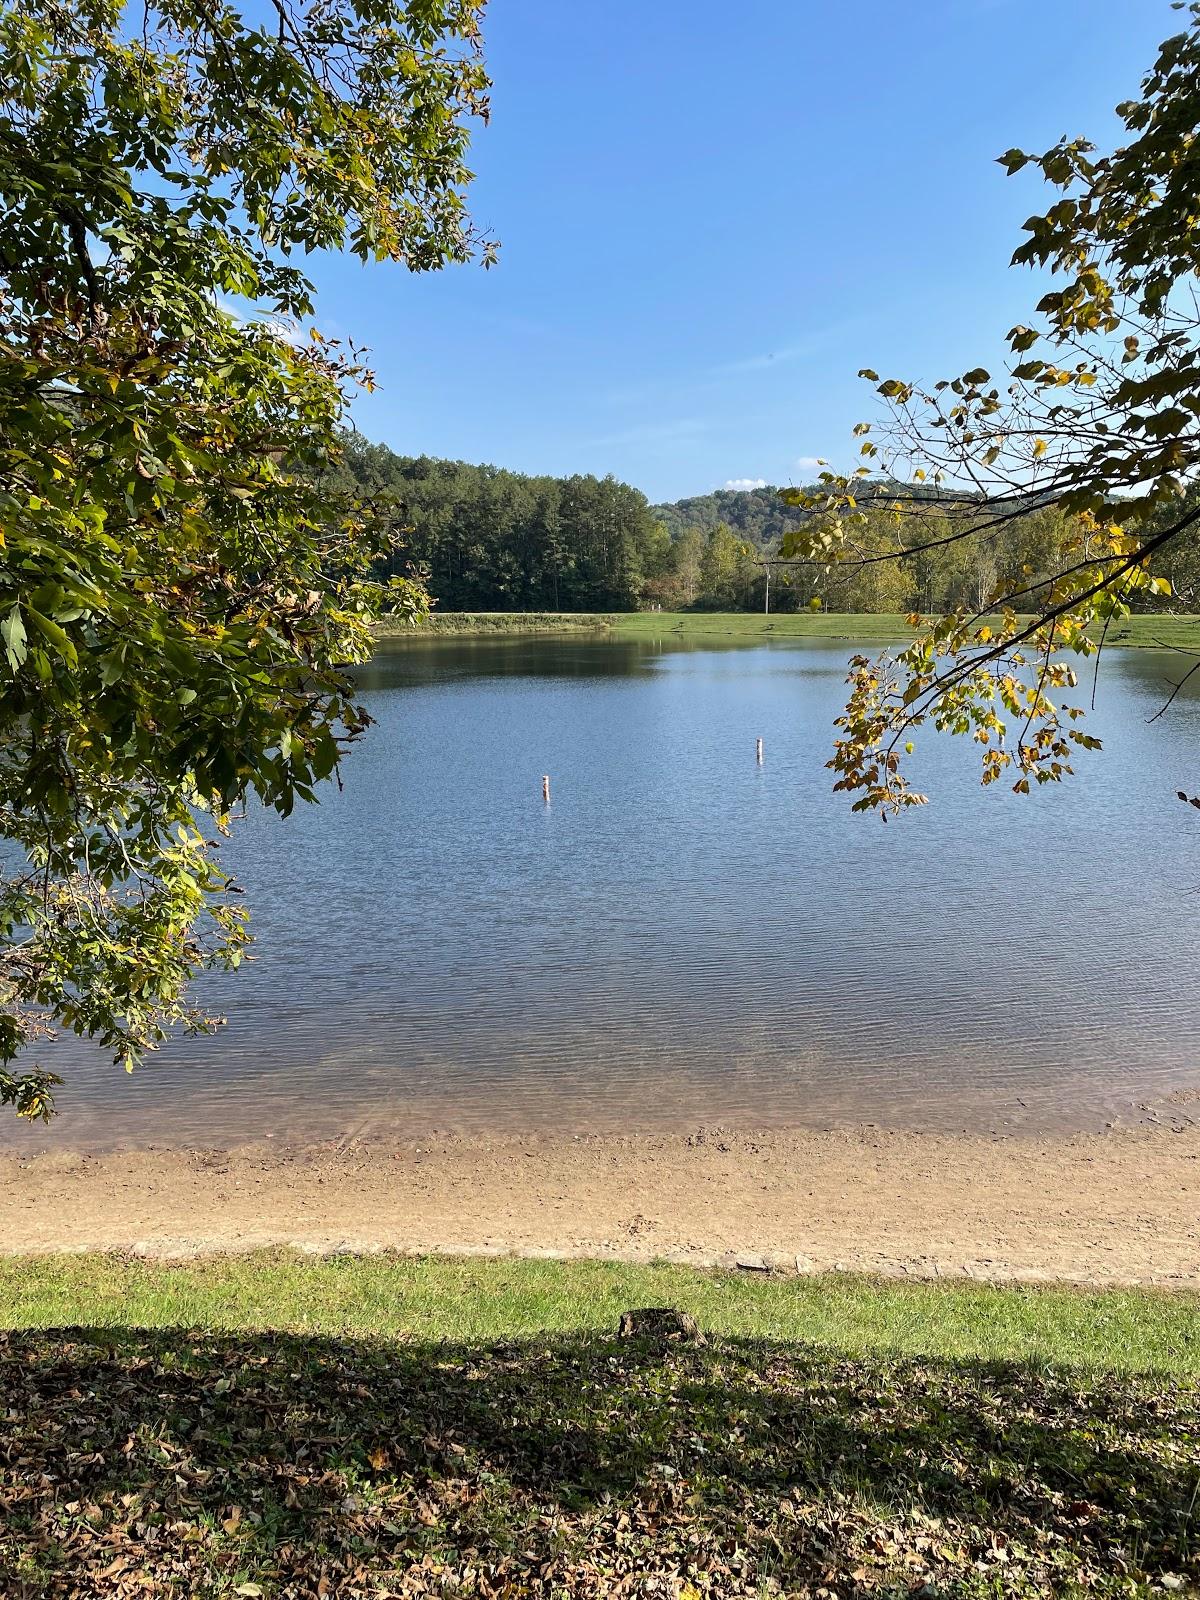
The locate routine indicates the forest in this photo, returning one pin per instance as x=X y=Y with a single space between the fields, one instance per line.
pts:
x=486 y=539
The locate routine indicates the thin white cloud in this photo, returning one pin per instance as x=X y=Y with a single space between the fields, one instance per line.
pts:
x=745 y=483
x=656 y=433
x=670 y=380
x=809 y=461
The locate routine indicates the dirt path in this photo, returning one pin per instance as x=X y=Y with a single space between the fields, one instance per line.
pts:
x=1114 y=1208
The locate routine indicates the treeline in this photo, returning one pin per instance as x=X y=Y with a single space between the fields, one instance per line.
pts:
x=486 y=539
x=489 y=540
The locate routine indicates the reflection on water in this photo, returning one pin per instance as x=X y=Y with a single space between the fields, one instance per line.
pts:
x=683 y=936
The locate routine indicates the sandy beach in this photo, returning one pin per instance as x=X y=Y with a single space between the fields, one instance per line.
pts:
x=1115 y=1208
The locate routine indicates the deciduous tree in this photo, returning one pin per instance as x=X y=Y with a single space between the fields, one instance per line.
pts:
x=180 y=584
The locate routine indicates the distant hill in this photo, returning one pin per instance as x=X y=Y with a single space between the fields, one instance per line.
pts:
x=757 y=515
x=761 y=518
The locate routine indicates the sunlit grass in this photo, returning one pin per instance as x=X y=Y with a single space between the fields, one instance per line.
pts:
x=864 y=626
x=384 y=1296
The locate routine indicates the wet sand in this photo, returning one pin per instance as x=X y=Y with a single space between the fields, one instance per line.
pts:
x=1114 y=1208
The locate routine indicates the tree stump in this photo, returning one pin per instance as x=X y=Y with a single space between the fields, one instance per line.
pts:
x=663 y=1323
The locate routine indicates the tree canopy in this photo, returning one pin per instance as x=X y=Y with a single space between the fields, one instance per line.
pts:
x=1098 y=420
x=181 y=579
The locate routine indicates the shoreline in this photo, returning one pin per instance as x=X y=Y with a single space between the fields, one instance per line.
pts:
x=1117 y=1208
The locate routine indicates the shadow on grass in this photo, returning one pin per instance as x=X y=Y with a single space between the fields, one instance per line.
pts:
x=188 y=1463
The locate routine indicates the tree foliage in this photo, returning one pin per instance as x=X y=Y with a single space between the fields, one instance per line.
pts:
x=1097 y=421
x=180 y=587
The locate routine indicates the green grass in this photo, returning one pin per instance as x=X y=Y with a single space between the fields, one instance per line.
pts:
x=483 y=1299
x=1149 y=632
x=1169 y=632
x=884 y=627
x=753 y=625
x=287 y=1427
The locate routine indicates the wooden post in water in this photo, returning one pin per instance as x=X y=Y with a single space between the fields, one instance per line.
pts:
x=546 y=788
x=758 y=751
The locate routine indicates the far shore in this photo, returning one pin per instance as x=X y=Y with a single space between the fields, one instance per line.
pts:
x=1147 y=631
x=1102 y=1209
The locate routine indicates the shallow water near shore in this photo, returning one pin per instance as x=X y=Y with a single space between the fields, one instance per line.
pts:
x=683 y=936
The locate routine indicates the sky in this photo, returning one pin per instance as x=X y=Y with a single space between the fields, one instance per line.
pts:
x=712 y=216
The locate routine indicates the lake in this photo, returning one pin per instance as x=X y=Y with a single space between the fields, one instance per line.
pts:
x=684 y=937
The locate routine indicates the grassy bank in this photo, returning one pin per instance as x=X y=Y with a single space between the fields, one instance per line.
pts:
x=498 y=622
x=420 y=1437
x=855 y=627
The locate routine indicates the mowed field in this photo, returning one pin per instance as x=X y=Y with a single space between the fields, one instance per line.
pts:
x=1165 y=632
x=1162 y=632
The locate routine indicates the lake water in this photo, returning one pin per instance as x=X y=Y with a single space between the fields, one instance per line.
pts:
x=684 y=937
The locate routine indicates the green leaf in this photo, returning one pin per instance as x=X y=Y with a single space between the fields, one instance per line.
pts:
x=57 y=636
x=12 y=631
x=1013 y=160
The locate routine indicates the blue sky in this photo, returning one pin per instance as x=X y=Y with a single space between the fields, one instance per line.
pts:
x=712 y=216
